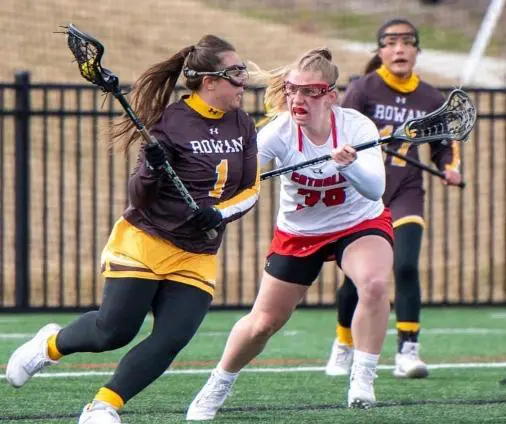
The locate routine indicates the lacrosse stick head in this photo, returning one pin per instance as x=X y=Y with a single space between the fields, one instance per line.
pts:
x=88 y=53
x=454 y=120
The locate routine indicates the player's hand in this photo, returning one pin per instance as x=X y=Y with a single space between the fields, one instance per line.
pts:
x=452 y=177
x=207 y=219
x=344 y=155
x=155 y=157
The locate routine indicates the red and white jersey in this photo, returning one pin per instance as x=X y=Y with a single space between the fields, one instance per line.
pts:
x=325 y=198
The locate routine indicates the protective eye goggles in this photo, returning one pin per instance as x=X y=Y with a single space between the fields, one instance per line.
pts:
x=308 y=90
x=391 y=39
x=236 y=74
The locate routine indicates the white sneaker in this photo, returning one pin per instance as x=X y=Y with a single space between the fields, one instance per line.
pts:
x=31 y=357
x=408 y=363
x=210 y=398
x=99 y=413
x=361 y=392
x=340 y=361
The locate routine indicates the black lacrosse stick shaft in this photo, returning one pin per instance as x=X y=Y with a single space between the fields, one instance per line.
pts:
x=320 y=159
x=88 y=52
x=422 y=166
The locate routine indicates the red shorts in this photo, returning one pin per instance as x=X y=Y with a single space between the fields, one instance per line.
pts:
x=295 y=245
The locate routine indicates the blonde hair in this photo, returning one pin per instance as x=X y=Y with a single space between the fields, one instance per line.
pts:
x=316 y=60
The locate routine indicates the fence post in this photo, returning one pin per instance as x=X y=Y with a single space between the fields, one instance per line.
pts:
x=22 y=185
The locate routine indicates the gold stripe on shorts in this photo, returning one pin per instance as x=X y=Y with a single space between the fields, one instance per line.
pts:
x=133 y=253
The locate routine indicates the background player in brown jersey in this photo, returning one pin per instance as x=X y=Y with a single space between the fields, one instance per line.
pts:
x=158 y=257
x=389 y=94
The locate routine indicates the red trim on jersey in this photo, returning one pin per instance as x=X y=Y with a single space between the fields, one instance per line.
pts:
x=332 y=128
x=295 y=245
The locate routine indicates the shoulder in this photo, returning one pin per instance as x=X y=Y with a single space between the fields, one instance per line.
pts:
x=431 y=92
x=352 y=121
x=244 y=118
x=279 y=125
x=361 y=83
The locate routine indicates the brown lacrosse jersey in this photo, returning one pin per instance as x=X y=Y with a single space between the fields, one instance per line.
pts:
x=388 y=109
x=215 y=156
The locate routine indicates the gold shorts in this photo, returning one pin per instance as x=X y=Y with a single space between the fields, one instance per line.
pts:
x=133 y=253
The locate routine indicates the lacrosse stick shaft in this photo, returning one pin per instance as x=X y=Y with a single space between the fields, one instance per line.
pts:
x=420 y=165
x=320 y=159
x=148 y=138
x=88 y=53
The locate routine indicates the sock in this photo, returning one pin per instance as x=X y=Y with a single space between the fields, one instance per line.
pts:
x=344 y=335
x=407 y=332
x=364 y=359
x=225 y=375
x=110 y=397
x=52 y=351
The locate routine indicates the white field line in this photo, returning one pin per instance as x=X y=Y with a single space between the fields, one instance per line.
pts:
x=292 y=333
x=273 y=370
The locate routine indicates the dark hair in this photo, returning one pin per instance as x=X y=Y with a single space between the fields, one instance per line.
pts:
x=374 y=63
x=396 y=21
x=152 y=91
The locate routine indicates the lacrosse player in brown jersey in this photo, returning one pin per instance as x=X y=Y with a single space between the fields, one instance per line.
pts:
x=158 y=257
x=391 y=93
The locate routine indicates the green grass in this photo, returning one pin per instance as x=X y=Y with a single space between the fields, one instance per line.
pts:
x=449 y=395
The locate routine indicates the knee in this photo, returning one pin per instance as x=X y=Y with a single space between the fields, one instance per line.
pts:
x=406 y=272
x=110 y=338
x=265 y=325
x=373 y=288
x=174 y=344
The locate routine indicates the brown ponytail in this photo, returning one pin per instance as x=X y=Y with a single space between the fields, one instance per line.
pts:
x=373 y=64
x=152 y=91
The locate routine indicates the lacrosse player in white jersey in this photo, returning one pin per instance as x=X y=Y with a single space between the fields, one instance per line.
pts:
x=330 y=211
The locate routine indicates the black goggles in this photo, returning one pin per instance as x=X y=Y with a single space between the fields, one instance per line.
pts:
x=236 y=74
x=391 y=39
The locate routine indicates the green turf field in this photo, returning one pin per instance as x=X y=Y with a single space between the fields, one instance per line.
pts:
x=465 y=347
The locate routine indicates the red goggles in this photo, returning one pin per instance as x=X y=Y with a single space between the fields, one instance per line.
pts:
x=308 y=90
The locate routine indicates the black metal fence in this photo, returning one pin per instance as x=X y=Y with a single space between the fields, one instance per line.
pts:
x=61 y=190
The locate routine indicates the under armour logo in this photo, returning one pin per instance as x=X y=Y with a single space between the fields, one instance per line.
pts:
x=213 y=130
x=400 y=99
x=317 y=170
x=213 y=111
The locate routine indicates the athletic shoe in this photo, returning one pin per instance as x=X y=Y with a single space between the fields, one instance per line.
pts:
x=31 y=357
x=99 y=413
x=408 y=363
x=210 y=398
x=340 y=361
x=361 y=392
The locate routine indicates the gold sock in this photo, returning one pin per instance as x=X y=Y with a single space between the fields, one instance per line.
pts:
x=108 y=396
x=408 y=326
x=344 y=335
x=52 y=351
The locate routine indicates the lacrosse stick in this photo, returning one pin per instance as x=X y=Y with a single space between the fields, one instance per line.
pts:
x=88 y=53
x=454 y=120
x=420 y=165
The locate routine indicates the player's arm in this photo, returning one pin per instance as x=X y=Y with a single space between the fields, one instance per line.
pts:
x=249 y=189
x=270 y=144
x=365 y=170
x=145 y=181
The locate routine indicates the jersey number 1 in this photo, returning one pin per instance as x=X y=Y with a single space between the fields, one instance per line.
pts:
x=221 y=179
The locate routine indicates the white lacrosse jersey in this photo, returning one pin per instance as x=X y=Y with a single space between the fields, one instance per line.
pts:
x=324 y=198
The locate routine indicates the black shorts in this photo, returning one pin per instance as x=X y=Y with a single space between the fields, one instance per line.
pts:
x=304 y=269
